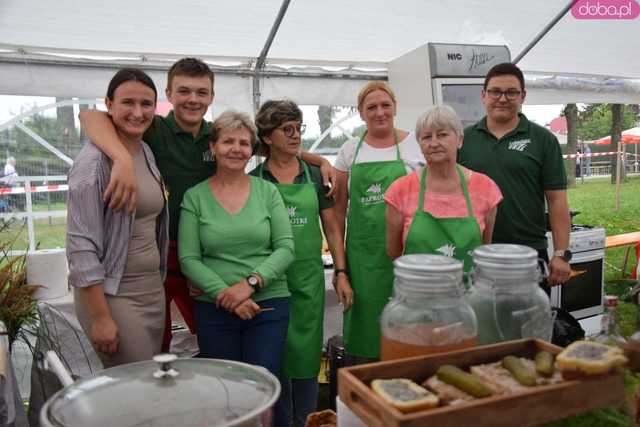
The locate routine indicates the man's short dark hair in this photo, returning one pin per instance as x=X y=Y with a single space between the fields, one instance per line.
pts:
x=191 y=67
x=504 y=69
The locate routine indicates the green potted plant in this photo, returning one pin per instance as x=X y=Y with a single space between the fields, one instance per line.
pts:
x=18 y=309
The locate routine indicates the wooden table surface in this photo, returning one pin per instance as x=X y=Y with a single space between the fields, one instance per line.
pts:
x=622 y=239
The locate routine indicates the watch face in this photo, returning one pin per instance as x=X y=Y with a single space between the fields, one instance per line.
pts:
x=253 y=280
x=567 y=255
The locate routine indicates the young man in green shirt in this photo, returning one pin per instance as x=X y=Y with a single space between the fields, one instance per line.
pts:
x=180 y=144
x=525 y=160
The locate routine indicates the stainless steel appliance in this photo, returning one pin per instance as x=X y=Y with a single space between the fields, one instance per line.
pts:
x=582 y=295
x=437 y=73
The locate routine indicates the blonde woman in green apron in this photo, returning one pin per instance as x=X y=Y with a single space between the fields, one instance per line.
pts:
x=444 y=208
x=280 y=130
x=366 y=167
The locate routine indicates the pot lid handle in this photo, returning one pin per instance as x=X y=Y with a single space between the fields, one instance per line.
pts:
x=165 y=369
x=53 y=362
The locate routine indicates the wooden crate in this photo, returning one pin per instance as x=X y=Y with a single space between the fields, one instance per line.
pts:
x=529 y=407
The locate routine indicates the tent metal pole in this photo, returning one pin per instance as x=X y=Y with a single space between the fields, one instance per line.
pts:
x=544 y=31
x=217 y=69
x=262 y=59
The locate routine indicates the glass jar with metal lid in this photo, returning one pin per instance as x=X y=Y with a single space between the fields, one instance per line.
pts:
x=505 y=295
x=428 y=312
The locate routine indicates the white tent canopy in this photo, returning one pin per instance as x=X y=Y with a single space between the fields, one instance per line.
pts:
x=71 y=47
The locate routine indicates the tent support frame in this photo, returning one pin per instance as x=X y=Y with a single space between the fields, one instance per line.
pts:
x=544 y=31
x=241 y=70
x=262 y=59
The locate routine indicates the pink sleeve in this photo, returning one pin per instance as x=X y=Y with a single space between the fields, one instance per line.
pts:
x=485 y=190
x=398 y=194
x=393 y=195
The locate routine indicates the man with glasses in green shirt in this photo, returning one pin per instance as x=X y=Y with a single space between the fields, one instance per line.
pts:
x=180 y=145
x=525 y=160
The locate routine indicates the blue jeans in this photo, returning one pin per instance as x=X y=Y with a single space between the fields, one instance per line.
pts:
x=299 y=398
x=258 y=341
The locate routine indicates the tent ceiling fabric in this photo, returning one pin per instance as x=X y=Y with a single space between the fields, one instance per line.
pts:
x=354 y=33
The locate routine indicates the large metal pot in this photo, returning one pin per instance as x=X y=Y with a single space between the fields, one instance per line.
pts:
x=165 y=392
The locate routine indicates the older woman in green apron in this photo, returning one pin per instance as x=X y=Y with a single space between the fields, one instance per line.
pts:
x=443 y=208
x=366 y=166
x=280 y=128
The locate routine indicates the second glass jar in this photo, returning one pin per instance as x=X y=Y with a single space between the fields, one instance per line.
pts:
x=505 y=295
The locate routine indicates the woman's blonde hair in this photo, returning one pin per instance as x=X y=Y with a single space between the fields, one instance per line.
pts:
x=439 y=117
x=373 y=86
x=232 y=120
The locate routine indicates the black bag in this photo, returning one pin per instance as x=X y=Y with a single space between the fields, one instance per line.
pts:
x=566 y=329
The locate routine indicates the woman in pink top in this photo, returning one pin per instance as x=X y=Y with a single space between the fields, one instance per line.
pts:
x=457 y=206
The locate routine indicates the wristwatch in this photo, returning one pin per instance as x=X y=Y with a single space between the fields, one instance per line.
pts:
x=254 y=282
x=340 y=270
x=564 y=254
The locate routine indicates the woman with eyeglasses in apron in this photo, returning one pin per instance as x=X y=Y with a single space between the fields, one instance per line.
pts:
x=366 y=168
x=443 y=209
x=280 y=131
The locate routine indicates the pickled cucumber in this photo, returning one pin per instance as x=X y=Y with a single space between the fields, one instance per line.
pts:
x=521 y=373
x=464 y=381
x=544 y=363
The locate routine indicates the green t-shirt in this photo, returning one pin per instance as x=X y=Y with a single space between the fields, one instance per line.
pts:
x=524 y=163
x=182 y=160
x=218 y=249
x=324 y=202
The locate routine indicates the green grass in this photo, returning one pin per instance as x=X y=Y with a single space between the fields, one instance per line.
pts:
x=595 y=200
x=49 y=232
x=47 y=236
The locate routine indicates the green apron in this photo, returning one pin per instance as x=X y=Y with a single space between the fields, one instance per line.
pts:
x=454 y=237
x=305 y=277
x=370 y=269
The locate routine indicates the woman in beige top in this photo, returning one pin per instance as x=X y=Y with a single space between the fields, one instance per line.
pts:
x=117 y=260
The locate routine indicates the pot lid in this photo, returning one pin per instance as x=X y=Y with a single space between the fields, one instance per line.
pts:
x=166 y=392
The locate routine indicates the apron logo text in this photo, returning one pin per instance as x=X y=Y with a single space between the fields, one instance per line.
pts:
x=372 y=200
x=293 y=220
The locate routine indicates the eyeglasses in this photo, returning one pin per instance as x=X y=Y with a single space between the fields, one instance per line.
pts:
x=290 y=130
x=510 y=94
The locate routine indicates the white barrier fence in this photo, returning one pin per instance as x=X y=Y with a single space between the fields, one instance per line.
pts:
x=27 y=189
x=589 y=167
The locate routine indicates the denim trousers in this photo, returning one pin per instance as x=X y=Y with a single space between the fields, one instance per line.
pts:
x=258 y=341
x=299 y=398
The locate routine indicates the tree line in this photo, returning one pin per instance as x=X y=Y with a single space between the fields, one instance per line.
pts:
x=589 y=122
